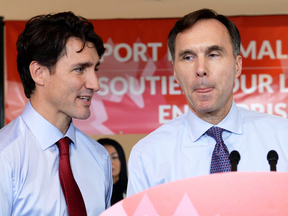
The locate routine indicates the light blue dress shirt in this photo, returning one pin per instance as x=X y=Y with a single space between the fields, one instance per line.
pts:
x=29 y=159
x=181 y=149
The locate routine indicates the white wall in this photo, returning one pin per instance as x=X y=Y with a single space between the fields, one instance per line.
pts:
x=105 y=9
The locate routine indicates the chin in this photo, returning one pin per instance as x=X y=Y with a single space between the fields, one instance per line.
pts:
x=205 y=107
x=82 y=116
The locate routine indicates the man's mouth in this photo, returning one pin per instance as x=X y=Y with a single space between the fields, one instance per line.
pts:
x=85 y=98
x=204 y=90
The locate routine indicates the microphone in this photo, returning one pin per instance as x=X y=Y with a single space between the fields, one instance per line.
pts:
x=234 y=158
x=272 y=158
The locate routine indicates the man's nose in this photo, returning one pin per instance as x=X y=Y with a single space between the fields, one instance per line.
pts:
x=92 y=82
x=201 y=67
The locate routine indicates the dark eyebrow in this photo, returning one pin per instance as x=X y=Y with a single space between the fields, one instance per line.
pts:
x=83 y=64
x=185 y=52
x=86 y=64
x=208 y=50
x=215 y=48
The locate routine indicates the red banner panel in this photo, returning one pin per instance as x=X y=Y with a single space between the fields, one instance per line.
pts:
x=138 y=90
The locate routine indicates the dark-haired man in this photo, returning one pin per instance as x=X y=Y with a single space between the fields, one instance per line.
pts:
x=205 y=49
x=58 y=56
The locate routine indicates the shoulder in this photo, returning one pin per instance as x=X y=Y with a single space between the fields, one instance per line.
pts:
x=246 y=113
x=164 y=135
x=257 y=117
x=11 y=132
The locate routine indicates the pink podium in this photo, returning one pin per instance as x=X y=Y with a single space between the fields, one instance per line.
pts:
x=224 y=194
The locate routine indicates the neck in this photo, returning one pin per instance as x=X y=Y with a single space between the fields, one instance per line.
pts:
x=115 y=179
x=59 y=121
x=215 y=116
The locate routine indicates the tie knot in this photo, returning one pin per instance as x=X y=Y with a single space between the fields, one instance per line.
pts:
x=216 y=133
x=63 y=145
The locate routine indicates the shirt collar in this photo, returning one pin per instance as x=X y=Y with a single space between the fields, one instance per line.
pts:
x=45 y=132
x=233 y=122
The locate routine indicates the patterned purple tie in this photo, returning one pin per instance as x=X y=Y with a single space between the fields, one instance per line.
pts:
x=220 y=157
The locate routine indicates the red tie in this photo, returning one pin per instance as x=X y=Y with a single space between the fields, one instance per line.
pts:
x=73 y=197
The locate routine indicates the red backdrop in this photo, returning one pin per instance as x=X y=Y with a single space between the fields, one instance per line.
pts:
x=138 y=91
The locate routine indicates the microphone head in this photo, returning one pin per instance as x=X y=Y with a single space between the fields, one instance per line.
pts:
x=234 y=156
x=272 y=156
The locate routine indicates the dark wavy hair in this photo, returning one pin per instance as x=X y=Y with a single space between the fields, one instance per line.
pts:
x=123 y=172
x=191 y=19
x=44 y=40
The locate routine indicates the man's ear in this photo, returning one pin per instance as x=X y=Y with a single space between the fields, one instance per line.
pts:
x=175 y=75
x=238 y=66
x=37 y=72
